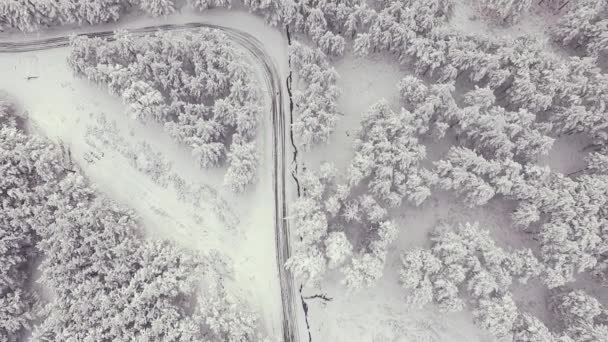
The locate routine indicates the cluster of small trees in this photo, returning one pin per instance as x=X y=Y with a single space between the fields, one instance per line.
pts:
x=466 y=263
x=464 y=266
x=315 y=95
x=338 y=229
x=106 y=281
x=584 y=27
x=195 y=83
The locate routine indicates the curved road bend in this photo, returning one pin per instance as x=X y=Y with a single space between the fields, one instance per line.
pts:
x=272 y=80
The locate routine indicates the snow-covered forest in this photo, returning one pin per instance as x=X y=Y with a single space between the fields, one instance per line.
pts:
x=194 y=83
x=103 y=281
x=448 y=159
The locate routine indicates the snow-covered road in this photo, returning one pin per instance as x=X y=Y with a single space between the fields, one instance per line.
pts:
x=273 y=83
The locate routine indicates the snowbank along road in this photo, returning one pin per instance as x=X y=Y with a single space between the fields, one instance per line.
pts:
x=255 y=48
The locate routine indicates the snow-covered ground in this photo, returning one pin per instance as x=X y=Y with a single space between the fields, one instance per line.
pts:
x=241 y=227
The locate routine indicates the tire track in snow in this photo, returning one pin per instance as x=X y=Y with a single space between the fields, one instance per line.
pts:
x=254 y=46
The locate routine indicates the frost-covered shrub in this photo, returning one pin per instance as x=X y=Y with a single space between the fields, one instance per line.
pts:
x=195 y=83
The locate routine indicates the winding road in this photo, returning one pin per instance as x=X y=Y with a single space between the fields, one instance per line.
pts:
x=256 y=49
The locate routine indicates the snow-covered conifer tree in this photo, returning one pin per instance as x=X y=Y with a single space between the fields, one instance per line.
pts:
x=387 y=156
x=497 y=315
x=158 y=8
x=505 y=11
x=316 y=97
x=584 y=27
x=582 y=317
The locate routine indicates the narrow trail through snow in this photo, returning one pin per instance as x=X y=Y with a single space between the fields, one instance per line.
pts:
x=272 y=79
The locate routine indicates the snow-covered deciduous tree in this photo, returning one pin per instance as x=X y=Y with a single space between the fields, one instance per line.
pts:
x=194 y=83
x=387 y=156
x=337 y=248
x=308 y=263
x=363 y=271
x=315 y=94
